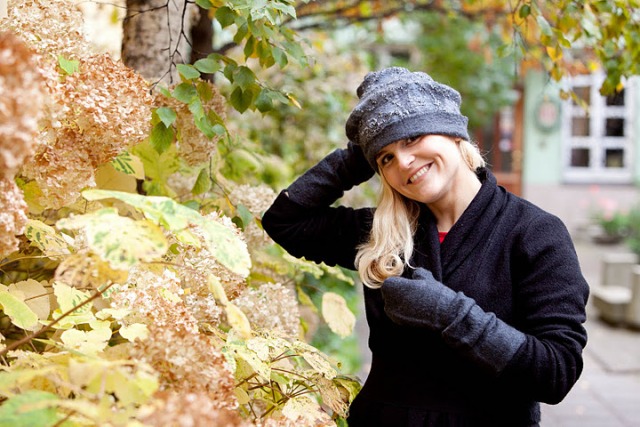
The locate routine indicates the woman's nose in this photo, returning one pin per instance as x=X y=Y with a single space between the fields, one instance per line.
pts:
x=405 y=158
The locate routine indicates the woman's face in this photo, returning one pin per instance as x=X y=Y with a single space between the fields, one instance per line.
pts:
x=428 y=169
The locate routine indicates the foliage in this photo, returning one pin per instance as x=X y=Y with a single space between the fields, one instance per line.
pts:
x=564 y=37
x=136 y=285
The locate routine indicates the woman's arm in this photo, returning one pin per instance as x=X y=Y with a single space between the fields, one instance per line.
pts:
x=550 y=299
x=540 y=354
x=302 y=220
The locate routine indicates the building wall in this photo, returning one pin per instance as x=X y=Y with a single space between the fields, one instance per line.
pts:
x=542 y=181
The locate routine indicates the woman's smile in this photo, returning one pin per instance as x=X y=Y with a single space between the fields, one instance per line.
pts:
x=421 y=172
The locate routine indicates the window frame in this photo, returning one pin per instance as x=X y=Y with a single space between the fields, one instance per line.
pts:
x=597 y=142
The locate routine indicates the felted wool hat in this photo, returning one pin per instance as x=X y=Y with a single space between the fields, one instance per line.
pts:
x=396 y=103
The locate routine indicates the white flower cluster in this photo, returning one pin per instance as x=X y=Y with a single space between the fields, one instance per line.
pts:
x=21 y=104
x=256 y=199
x=87 y=127
x=13 y=216
x=271 y=307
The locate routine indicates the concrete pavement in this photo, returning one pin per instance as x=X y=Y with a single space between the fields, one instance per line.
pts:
x=608 y=392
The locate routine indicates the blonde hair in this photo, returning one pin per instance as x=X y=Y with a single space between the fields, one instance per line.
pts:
x=390 y=246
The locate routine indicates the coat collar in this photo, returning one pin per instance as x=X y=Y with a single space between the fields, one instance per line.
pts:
x=472 y=228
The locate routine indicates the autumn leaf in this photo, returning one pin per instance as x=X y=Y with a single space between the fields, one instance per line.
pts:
x=337 y=315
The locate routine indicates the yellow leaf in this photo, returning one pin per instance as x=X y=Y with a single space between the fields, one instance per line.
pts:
x=46 y=238
x=331 y=396
x=337 y=315
x=134 y=241
x=134 y=331
x=242 y=396
x=238 y=320
x=87 y=342
x=216 y=288
x=554 y=53
x=34 y=295
x=302 y=410
x=68 y=298
x=20 y=314
x=320 y=364
x=108 y=178
x=260 y=346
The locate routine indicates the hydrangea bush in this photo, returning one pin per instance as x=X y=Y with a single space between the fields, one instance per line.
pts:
x=136 y=284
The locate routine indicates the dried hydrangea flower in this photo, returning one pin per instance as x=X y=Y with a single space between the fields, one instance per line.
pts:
x=186 y=360
x=189 y=410
x=62 y=34
x=88 y=129
x=256 y=199
x=13 y=217
x=272 y=307
x=197 y=263
x=22 y=88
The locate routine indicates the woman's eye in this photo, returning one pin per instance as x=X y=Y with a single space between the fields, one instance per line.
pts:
x=412 y=140
x=385 y=159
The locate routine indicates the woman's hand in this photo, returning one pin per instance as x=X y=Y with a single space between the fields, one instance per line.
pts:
x=424 y=302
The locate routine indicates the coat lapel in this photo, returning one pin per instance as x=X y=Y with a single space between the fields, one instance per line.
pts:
x=474 y=226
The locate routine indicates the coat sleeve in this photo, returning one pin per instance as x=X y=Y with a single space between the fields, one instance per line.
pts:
x=550 y=299
x=304 y=223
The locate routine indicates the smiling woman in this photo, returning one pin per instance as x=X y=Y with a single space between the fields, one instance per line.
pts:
x=474 y=297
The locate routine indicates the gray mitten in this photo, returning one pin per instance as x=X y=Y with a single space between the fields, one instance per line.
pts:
x=422 y=301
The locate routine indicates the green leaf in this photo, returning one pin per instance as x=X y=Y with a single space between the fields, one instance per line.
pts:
x=157 y=166
x=207 y=65
x=286 y=8
x=241 y=99
x=68 y=66
x=242 y=32
x=185 y=92
x=264 y=102
x=18 y=311
x=166 y=115
x=223 y=243
x=244 y=77
x=203 y=182
x=245 y=215
x=280 y=56
x=134 y=241
x=205 y=4
x=205 y=126
x=196 y=108
x=225 y=16
x=161 y=137
x=26 y=409
x=188 y=71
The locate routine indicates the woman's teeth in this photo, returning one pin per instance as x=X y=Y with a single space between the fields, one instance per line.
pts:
x=419 y=174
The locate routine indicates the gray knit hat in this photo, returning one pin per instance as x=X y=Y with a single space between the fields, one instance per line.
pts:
x=396 y=103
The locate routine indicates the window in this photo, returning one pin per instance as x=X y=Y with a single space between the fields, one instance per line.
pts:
x=596 y=133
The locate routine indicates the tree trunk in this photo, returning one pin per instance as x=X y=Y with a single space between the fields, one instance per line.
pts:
x=155 y=37
x=202 y=36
